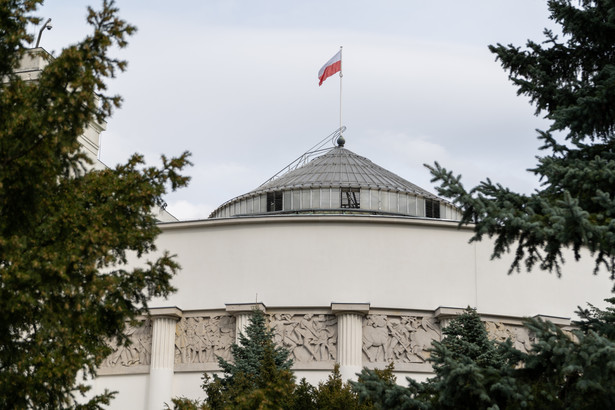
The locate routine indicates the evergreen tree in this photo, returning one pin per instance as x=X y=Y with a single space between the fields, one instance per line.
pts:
x=563 y=370
x=571 y=81
x=379 y=389
x=65 y=289
x=249 y=353
x=304 y=397
x=600 y=321
x=572 y=371
x=472 y=371
x=259 y=374
x=259 y=377
x=335 y=394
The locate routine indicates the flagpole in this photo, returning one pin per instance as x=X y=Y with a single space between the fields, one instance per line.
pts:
x=341 y=75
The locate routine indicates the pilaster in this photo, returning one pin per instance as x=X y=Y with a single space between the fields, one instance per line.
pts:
x=242 y=312
x=350 y=337
x=164 y=321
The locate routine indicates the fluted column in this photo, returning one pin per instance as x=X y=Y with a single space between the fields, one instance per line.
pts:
x=241 y=322
x=242 y=313
x=350 y=337
x=162 y=365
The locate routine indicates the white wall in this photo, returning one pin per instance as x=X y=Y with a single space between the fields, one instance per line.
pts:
x=131 y=390
x=388 y=262
x=312 y=261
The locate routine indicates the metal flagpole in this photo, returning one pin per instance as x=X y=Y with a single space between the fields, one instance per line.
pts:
x=341 y=75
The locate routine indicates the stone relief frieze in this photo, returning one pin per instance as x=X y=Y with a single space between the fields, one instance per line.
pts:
x=138 y=353
x=520 y=336
x=203 y=339
x=309 y=337
x=398 y=339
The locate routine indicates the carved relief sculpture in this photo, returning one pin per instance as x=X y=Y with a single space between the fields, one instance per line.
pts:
x=309 y=338
x=520 y=336
x=204 y=339
x=399 y=339
x=138 y=353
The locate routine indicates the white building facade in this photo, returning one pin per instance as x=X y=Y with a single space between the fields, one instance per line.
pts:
x=351 y=264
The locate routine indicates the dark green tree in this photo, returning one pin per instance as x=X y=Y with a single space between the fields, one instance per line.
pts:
x=379 y=389
x=567 y=370
x=249 y=353
x=335 y=394
x=563 y=370
x=259 y=377
x=570 y=79
x=471 y=372
x=66 y=234
x=304 y=396
x=259 y=374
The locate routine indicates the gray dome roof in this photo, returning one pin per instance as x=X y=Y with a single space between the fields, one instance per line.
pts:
x=338 y=181
x=341 y=168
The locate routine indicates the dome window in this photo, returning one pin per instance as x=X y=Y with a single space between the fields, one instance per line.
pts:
x=432 y=208
x=274 y=201
x=350 y=197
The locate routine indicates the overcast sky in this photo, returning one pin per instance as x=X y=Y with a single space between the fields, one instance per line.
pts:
x=235 y=83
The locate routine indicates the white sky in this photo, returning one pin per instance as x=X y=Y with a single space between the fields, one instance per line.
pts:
x=234 y=82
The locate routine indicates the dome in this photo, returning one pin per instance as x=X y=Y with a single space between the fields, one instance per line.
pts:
x=338 y=181
x=341 y=167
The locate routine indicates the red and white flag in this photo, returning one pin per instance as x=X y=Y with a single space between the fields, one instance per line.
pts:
x=331 y=67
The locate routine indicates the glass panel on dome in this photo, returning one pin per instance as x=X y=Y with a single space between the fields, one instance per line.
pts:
x=420 y=207
x=412 y=206
x=335 y=198
x=403 y=204
x=374 y=200
x=306 y=203
x=445 y=212
x=350 y=198
x=393 y=202
x=296 y=200
x=315 y=198
x=325 y=198
x=384 y=201
x=365 y=195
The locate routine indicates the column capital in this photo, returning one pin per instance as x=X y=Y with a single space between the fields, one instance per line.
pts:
x=559 y=321
x=444 y=313
x=166 y=312
x=357 y=308
x=239 y=308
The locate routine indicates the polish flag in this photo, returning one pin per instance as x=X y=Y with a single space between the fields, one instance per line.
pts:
x=331 y=67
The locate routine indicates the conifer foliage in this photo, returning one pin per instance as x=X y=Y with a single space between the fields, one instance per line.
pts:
x=258 y=375
x=65 y=234
x=470 y=368
x=570 y=79
x=470 y=373
x=563 y=370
